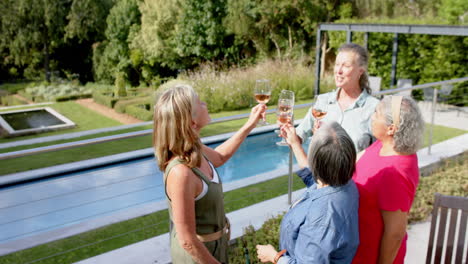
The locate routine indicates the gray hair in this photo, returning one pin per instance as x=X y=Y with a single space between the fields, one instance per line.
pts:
x=332 y=155
x=363 y=61
x=408 y=137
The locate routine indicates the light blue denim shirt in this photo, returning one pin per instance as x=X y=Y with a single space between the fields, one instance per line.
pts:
x=322 y=227
x=356 y=120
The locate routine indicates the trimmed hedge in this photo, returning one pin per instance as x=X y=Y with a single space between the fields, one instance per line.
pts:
x=126 y=101
x=140 y=112
x=104 y=98
x=73 y=97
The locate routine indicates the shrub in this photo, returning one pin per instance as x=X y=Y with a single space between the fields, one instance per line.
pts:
x=142 y=112
x=267 y=234
x=233 y=89
x=120 y=85
x=122 y=104
x=105 y=98
x=73 y=97
x=49 y=92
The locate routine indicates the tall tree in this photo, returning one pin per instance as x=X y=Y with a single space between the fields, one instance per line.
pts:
x=112 y=56
x=87 y=19
x=31 y=30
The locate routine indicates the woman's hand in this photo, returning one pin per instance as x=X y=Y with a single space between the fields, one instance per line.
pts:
x=288 y=132
x=317 y=124
x=266 y=253
x=257 y=112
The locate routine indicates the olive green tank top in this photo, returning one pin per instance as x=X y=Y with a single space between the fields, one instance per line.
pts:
x=209 y=218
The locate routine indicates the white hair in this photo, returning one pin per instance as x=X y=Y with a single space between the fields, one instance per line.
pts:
x=408 y=137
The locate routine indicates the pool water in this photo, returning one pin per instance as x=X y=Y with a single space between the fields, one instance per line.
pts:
x=32 y=208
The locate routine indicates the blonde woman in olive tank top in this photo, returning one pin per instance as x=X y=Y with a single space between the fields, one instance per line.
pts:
x=199 y=233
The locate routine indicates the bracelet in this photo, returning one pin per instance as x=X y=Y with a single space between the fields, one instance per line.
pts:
x=278 y=256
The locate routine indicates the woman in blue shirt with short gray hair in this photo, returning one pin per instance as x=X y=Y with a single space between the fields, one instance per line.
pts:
x=322 y=226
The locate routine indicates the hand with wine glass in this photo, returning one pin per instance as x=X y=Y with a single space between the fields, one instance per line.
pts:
x=262 y=93
x=284 y=112
x=318 y=112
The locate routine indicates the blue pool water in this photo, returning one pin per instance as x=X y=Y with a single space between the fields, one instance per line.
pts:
x=31 y=208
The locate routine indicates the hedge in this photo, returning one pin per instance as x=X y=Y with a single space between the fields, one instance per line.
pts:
x=104 y=98
x=139 y=112
x=129 y=100
x=73 y=97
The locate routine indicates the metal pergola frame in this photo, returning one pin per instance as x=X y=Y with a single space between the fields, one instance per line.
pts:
x=382 y=28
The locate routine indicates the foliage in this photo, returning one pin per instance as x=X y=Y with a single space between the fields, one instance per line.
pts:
x=122 y=104
x=450 y=179
x=454 y=11
x=105 y=98
x=142 y=112
x=233 y=89
x=49 y=92
x=112 y=56
x=87 y=19
x=282 y=29
x=31 y=31
x=120 y=86
x=245 y=246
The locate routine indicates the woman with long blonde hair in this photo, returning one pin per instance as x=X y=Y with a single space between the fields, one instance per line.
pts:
x=200 y=229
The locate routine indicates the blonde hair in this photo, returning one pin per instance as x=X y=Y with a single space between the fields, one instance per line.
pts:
x=173 y=135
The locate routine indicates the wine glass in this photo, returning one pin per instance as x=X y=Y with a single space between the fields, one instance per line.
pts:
x=319 y=112
x=284 y=112
x=262 y=94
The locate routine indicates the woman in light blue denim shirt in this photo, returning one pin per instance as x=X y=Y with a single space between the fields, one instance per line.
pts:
x=351 y=104
x=322 y=226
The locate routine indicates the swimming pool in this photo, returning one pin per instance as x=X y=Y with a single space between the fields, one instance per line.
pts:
x=32 y=208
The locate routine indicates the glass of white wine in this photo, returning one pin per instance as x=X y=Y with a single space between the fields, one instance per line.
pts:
x=262 y=93
x=284 y=112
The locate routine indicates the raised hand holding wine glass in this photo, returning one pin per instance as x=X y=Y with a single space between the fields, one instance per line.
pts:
x=262 y=94
x=284 y=112
x=318 y=112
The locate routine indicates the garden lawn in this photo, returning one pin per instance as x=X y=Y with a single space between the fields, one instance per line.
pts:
x=84 y=118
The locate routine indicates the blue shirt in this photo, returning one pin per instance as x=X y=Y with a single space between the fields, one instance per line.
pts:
x=322 y=227
x=356 y=119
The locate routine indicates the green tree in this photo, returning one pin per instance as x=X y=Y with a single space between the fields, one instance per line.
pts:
x=280 y=27
x=31 y=30
x=112 y=56
x=454 y=11
x=87 y=19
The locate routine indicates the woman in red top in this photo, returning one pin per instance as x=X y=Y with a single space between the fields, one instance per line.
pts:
x=387 y=176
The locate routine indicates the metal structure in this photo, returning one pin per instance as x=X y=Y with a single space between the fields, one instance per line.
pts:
x=382 y=28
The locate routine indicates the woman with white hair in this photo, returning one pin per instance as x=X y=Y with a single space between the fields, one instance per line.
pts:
x=199 y=227
x=387 y=176
x=322 y=226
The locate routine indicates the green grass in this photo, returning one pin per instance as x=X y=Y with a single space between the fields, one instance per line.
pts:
x=117 y=235
x=84 y=118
